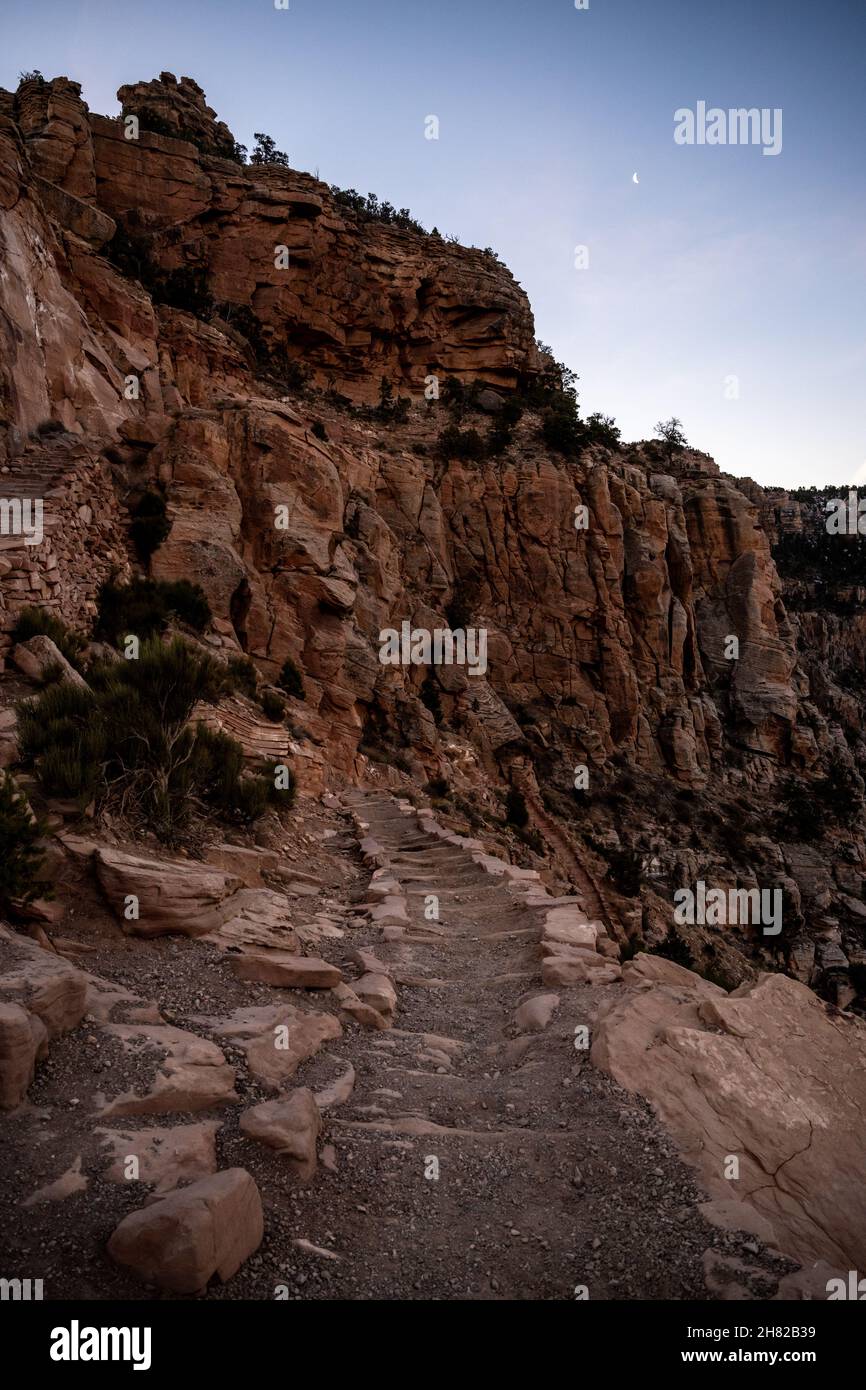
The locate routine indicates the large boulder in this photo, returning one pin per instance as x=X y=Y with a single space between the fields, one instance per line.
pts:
x=39 y=655
x=181 y=1242
x=173 y=895
x=41 y=996
x=291 y=1125
x=767 y=1075
x=285 y=970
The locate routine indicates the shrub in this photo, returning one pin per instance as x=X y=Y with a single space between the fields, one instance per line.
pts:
x=371 y=209
x=34 y=75
x=150 y=525
x=182 y=288
x=146 y=606
x=49 y=427
x=624 y=870
x=252 y=798
x=241 y=318
x=40 y=622
x=516 y=812
x=602 y=429
x=533 y=840
x=242 y=675
x=291 y=680
x=319 y=431
x=127 y=742
x=462 y=444
x=20 y=856
x=561 y=428
x=273 y=707
x=60 y=732
x=438 y=787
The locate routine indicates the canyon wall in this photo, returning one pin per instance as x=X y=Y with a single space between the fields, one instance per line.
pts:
x=312 y=525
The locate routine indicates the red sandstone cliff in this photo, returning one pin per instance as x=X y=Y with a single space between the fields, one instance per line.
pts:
x=606 y=645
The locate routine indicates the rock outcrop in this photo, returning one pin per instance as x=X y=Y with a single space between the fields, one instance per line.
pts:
x=763 y=1090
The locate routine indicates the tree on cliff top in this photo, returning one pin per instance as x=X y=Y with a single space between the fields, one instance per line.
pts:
x=266 y=152
x=671 y=432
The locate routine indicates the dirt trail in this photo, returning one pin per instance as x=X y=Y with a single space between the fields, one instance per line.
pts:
x=549 y=1177
x=469 y=1162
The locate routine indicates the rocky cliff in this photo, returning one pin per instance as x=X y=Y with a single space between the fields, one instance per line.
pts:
x=340 y=427
x=174 y=319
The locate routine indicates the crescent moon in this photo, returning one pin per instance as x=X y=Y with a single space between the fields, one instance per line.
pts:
x=635 y=179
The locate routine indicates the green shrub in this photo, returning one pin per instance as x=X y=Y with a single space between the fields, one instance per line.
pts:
x=438 y=787
x=533 y=839
x=20 y=856
x=242 y=675
x=150 y=525
x=61 y=732
x=127 y=742
x=252 y=798
x=41 y=622
x=516 y=812
x=49 y=426
x=185 y=288
x=462 y=444
x=371 y=209
x=146 y=606
x=562 y=429
x=273 y=707
x=291 y=680
x=602 y=429
x=624 y=870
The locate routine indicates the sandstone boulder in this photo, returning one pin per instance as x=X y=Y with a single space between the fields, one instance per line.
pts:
x=173 y=895
x=181 y=1242
x=285 y=970
x=766 y=1074
x=533 y=1015
x=38 y=655
x=377 y=991
x=291 y=1125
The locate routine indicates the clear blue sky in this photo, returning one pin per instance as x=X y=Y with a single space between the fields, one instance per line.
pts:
x=720 y=261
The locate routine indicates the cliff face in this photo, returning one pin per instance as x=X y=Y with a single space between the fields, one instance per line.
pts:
x=356 y=300
x=609 y=643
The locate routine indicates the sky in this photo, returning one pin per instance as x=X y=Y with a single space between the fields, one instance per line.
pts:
x=721 y=284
